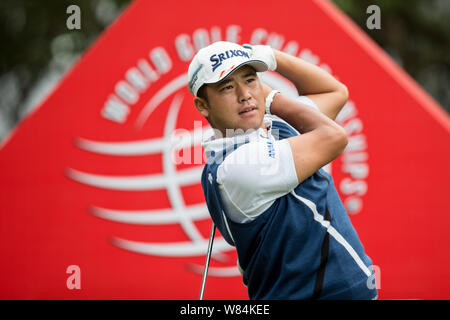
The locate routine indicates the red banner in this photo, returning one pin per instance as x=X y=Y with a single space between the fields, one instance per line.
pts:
x=94 y=207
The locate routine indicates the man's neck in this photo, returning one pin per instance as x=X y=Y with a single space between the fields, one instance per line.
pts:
x=229 y=133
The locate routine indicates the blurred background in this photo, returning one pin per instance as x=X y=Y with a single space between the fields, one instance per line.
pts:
x=38 y=49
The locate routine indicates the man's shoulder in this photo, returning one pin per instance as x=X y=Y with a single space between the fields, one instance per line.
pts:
x=281 y=129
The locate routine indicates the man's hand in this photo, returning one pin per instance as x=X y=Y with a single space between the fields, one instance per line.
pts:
x=263 y=53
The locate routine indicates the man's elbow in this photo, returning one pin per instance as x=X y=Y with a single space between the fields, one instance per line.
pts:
x=338 y=139
x=342 y=138
x=343 y=94
x=338 y=99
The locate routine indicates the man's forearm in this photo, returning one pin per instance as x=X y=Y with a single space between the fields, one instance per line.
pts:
x=300 y=116
x=321 y=141
x=329 y=94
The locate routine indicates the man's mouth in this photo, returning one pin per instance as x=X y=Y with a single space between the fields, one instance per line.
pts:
x=247 y=109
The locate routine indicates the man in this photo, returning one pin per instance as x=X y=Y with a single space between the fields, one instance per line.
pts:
x=263 y=182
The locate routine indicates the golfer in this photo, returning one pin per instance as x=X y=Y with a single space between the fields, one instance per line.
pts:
x=263 y=180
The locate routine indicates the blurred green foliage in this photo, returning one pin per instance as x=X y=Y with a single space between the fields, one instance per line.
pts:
x=416 y=34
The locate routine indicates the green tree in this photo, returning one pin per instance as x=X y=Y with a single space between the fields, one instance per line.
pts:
x=416 y=34
x=37 y=48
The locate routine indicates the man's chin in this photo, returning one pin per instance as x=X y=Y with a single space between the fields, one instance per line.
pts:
x=254 y=125
x=245 y=128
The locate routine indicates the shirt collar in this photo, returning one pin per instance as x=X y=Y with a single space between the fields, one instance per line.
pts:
x=216 y=143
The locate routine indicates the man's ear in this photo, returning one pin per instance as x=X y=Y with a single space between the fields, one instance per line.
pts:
x=202 y=106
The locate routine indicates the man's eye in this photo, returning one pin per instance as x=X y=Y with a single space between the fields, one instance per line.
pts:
x=226 y=88
x=250 y=80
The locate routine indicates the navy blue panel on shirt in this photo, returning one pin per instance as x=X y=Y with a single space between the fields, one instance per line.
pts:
x=291 y=251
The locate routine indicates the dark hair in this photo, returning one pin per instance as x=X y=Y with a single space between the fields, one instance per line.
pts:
x=201 y=93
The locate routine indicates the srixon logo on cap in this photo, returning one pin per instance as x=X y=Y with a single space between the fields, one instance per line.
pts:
x=218 y=58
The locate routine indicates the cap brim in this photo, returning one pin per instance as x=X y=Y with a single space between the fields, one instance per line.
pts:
x=258 y=65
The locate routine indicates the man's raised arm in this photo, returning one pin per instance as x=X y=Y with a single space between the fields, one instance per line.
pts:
x=322 y=140
x=327 y=93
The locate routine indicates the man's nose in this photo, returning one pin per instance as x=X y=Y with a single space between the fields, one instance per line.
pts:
x=243 y=93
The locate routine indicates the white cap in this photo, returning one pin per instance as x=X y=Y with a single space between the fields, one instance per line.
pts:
x=218 y=60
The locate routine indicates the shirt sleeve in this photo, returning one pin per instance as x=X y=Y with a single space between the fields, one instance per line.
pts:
x=254 y=176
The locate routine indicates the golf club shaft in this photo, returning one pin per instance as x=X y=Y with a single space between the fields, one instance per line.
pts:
x=208 y=257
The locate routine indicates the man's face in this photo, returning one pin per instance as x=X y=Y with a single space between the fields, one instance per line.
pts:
x=237 y=102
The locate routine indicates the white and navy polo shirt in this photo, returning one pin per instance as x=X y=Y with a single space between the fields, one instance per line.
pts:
x=294 y=241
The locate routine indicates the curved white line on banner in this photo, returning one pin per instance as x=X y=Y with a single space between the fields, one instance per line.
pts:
x=144 y=147
x=215 y=271
x=170 y=173
x=175 y=249
x=153 y=217
x=160 y=96
x=184 y=177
